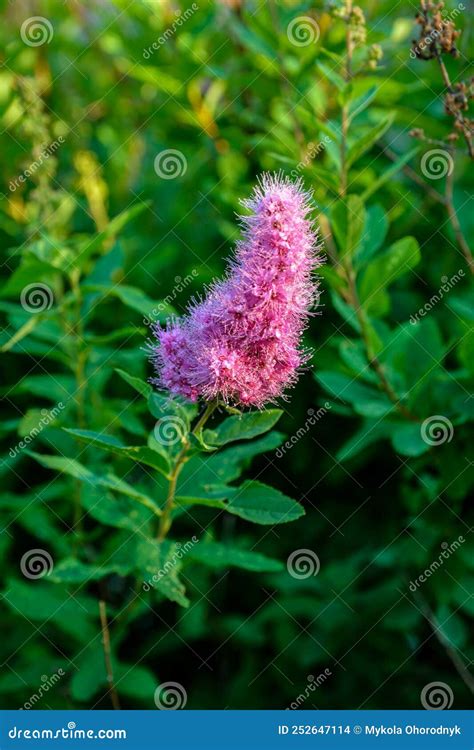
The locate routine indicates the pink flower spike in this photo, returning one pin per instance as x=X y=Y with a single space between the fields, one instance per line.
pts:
x=242 y=343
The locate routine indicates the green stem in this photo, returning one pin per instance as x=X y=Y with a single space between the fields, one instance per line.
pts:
x=166 y=519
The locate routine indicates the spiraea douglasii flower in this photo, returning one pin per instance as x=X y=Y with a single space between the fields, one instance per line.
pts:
x=242 y=343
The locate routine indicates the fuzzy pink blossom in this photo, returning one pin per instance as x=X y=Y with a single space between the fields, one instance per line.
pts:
x=242 y=343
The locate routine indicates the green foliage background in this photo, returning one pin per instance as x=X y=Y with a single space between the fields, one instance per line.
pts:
x=232 y=92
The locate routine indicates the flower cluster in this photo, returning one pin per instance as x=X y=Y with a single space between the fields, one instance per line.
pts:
x=242 y=343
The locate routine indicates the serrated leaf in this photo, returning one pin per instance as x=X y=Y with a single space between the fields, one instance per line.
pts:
x=159 y=563
x=252 y=501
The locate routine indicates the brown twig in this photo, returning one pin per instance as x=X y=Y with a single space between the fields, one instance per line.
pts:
x=108 y=655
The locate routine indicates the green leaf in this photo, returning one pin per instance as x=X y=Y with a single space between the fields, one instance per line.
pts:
x=250 y=39
x=39 y=601
x=140 y=385
x=119 y=511
x=218 y=555
x=135 y=299
x=202 y=473
x=71 y=570
x=347 y=221
x=261 y=504
x=162 y=405
x=109 y=481
x=252 y=501
x=140 y=453
x=135 y=681
x=89 y=246
x=407 y=440
x=389 y=173
x=159 y=563
x=29 y=272
x=373 y=236
x=360 y=103
x=364 y=142
x=90 y=676
x=365 y=400
x=332 y=76
x=386 y=268
x=242 y=427
x=372 y=431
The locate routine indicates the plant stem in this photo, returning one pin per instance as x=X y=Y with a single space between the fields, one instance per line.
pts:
x=373 y=361
x=346 y=263
x=166 y=520
x=345 y=107
x=108 y=655
x=453 y=218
